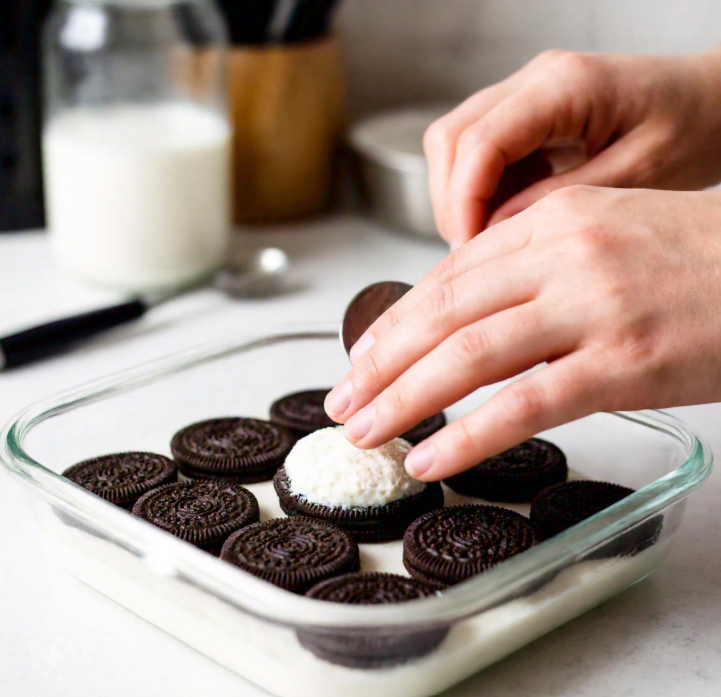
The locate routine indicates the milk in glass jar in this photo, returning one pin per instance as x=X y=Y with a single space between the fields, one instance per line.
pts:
x=136 y=140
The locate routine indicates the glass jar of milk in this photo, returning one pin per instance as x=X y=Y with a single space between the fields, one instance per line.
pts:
x=136 y=140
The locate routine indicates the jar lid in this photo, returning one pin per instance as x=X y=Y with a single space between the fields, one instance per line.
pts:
x=395 y=138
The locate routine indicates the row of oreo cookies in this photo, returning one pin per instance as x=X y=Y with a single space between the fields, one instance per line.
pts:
x=243 y=450
x=442 y=546
x=317 y=544
x=299 y=554
x=304 y=412
x=223 y=518
x=251 y=450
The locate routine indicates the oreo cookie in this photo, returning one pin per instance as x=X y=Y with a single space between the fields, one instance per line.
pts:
x=121 y=478
x=239 y=449
x=425 y=428
x=513 y=476
x=302 y=412
x=363 y=647
x=453 y=544
x=366 y=523
x=559 y=507
x=203 y=513
x=293 y=553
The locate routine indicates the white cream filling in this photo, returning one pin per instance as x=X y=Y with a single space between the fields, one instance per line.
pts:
x=325 y=468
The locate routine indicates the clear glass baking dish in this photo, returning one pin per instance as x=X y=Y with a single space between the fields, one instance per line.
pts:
x=251 y=626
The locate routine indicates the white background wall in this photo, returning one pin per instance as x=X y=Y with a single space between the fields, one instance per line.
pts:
x=416 y=50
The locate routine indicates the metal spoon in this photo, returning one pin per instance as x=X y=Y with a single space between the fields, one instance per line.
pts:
x=259 y=276
x=366 y=307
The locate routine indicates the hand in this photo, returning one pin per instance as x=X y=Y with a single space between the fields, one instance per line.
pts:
x=643 y=122
x=618 y=291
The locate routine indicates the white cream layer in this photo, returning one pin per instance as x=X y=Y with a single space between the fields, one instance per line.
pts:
x=326 y=469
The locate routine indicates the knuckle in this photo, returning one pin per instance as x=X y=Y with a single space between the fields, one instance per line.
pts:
x=390 y=318
x=398 y=401
x=369 y=369
x=471 y=343
x=635 y=341
x=524 y=403
x=475 y=135
x=550 y=55
x=441 y=303
x=446 y=269
x=464 y=441
x=638 y=347
x=579 y=66
x=568 y=198
x=438 y=136
x=589 y=241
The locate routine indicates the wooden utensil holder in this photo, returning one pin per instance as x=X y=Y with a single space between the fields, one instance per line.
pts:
x=287 y=107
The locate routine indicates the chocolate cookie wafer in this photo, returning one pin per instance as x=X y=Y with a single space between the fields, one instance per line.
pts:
x=241 y=449
x=513 y=476
x=370 y=648
x=559 y=507
x=379 y=523
x=425 y=428
x=450 y=545
x=122 y=478
x=302 y=412
x=203 y=513
x=293 y=553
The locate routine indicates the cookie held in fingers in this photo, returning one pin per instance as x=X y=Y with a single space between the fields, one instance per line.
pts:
x=292 y=553
x=241 y=449
x=203 y=513
x=364 y=647
x=366 y=492
x=515 y=475
x=445 y=547
x=122 y=478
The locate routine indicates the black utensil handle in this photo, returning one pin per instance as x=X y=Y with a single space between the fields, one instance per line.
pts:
x=50 y=338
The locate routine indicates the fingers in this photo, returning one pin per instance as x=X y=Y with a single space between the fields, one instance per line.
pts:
x=441 y=137
x=567 y=389
x=531 y=117
x=493 y=349
x=620 y=165
x=484 y=290
x=504 y=239
x=441 y=141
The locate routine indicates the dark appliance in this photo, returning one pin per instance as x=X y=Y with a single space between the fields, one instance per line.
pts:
x=21 y=194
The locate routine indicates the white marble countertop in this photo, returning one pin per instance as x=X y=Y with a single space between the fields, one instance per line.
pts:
x=59 y=638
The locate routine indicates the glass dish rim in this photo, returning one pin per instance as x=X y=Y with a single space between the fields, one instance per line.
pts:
x=265 y=601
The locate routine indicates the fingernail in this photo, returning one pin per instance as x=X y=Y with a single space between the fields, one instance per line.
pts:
x=455 y=244
x=360 y=425
x=361 y=346
x=339 y=398
x=419 y=460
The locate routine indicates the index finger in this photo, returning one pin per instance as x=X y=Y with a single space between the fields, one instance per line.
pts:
x=441 y=138
x=504 y=238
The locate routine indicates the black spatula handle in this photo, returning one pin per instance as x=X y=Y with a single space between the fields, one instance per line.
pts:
x=46 y=339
